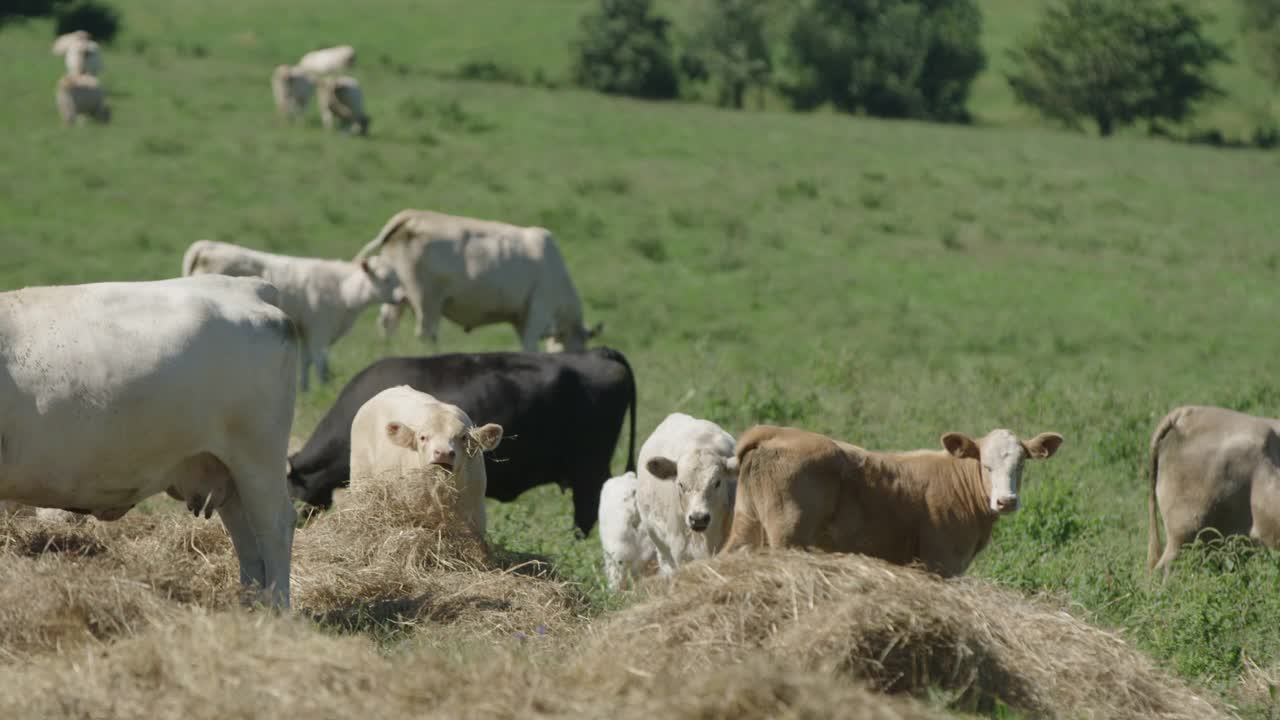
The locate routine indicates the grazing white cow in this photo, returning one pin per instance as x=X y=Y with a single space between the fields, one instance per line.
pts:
x=113 y=392
x=478 y=272
x=81 y=54
x=685 y=488
x=64 y=41
x=628 y=551
x=342 y=103
x=324 y=297
x=401 y=429
x=81 y=95
x=328 y=61
x=292 y=90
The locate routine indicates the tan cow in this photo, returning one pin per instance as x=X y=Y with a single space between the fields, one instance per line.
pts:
x=1212 y=468
x=401 y=430
x=480 y=272
x=801 y=489
x=81 y=95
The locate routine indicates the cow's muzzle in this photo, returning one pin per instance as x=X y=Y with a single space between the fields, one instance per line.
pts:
x=1006 y=504
x=699 y=521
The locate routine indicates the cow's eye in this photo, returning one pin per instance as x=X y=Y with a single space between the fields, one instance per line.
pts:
x=717 y=484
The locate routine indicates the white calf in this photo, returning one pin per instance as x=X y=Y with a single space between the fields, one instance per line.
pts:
x=628 y=552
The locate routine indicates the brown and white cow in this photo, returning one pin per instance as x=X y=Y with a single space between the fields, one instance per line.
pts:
x=1213 y=468
x=937 y=507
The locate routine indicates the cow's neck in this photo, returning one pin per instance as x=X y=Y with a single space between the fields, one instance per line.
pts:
x=954 y=487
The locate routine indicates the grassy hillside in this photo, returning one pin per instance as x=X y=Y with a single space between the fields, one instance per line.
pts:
x=882 y=282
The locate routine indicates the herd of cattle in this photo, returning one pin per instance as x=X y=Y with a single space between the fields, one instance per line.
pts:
x=79 y=93
x=113 y=392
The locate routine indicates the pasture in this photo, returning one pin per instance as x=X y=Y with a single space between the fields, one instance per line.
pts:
x=881 y=282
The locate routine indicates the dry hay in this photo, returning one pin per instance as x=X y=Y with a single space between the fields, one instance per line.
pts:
x=899 y=629
x=236 y=665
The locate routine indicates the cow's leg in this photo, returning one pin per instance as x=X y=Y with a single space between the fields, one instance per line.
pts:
x=264 y=516
x=429 y=310
x=536 y=324
x=304 y=369
x=253 y=573
x=746 y=531
x=320 y=356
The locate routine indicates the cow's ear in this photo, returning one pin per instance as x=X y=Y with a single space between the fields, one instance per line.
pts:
x=487 y=436
x=661 y=468
x=960 y=445
x=401 y=435
x=364 y=265
x=595 y=330
x=1043 y=445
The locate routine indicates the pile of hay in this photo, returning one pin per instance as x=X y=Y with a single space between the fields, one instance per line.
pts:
x=896 y=628
x=234 y=664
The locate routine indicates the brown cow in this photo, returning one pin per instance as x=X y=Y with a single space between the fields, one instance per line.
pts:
x=798 y=488
x=1213 y=468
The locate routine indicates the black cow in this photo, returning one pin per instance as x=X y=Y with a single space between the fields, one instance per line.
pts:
x=561 y=414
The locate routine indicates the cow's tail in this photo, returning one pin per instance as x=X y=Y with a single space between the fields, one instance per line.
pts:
x=374 y=245
x=621 y=359
x=192 y=256
x=749 y=441
x=1153 y=471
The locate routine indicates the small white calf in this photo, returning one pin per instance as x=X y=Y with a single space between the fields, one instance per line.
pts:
x=292 y=90
x=628 y=552
x=342 y=103
x=328 y=61
x=685 y=489
x=400 y=430
x=81 y=95
x=324 y=297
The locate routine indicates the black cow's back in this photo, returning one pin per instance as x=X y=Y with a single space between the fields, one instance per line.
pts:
x=561 y=414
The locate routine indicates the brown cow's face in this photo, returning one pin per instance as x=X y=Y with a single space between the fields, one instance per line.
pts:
x=705 y=483
x=445 y=438
x=1001 y=455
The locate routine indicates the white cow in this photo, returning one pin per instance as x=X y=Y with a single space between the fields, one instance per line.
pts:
x=685 y=488
x=478 y=272
x=628 y=551
x=113 y=392
x=292 y=90
x=81 y=95
x=324 y=297
x=81 y=54
x=328 y=61
x=401 y=429
x=342 y=103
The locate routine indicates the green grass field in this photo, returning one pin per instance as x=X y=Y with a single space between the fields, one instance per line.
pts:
x=883 y=282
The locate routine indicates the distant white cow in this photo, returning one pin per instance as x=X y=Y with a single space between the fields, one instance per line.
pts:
x=328 y=61
x=81 y=95
x=628 y=551
x=81 y=54
x=113 y=392
x=401 y=429
x=685 y=488
x=478 y=272
x=292 y=90
x=324 y=297
x=342 y=103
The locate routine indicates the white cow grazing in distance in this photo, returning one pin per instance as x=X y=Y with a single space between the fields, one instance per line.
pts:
x=328 y=61
x=479 y=272
x=81 y=54
x=401 y=429
x=342 y=103
x=81 y=95
x=628 y=551
x=292 y=90
x=114 y=392
x=685 y=488
x=324 y=297
x=64 y=41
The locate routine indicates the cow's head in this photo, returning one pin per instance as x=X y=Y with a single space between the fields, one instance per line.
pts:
x=382 y=278
x=574 y=340
x=704 y=480
x=1000 y=455
x=445 y=437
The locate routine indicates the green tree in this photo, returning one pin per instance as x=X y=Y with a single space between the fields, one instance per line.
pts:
x=891 y=58
x=728 y=46
x=1116 y=62
x=622 y=48
x=1261 y=21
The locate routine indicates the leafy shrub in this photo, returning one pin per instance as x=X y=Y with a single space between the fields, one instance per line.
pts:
x=489 y=71
x=622 y=48
x=891 y=58
x=1261 y=25
x=15 y=9
x=1116 y=62
x=97 y=18
x=728 y=47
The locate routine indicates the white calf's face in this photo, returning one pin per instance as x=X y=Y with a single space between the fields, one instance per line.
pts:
x=703 y=479
x=385 y=281
x=1000 y=454
x=445 y=438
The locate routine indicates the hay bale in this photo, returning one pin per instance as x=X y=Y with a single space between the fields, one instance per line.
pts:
x=235 y=664
x=897 y=628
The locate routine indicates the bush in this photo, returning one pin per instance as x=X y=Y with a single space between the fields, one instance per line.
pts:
x=728 y=46
x=1116 y=62
x=99 y=19
x=622 y=48
x=891 y=58
x=15 y=9
x=1261 y=24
